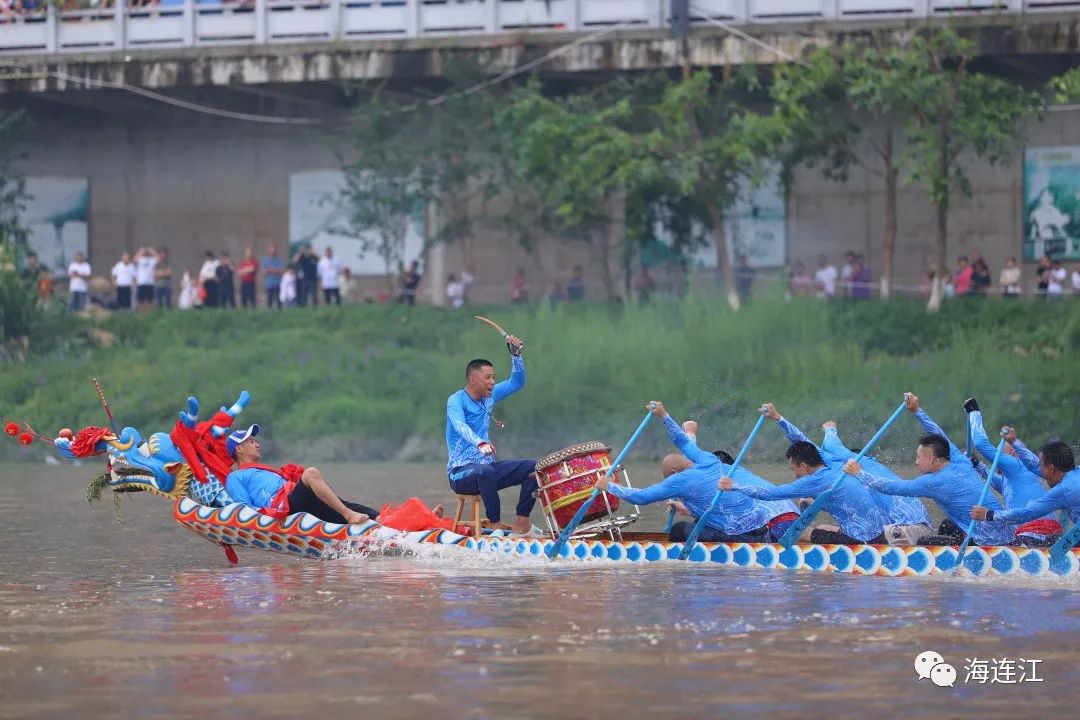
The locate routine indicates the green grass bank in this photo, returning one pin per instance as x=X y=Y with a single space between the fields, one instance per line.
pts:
x=370 y=382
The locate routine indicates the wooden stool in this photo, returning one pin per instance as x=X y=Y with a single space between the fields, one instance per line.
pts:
x=461 y=500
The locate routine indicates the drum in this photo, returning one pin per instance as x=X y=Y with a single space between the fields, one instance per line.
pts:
x=566 y=479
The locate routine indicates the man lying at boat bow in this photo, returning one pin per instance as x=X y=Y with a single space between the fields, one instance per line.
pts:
x=692 y=477
x=280 y=492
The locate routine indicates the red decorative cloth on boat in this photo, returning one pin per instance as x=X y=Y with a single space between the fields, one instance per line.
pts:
x=199 y=446
x=413 y=515
x=85 y=443
x=1039 y=527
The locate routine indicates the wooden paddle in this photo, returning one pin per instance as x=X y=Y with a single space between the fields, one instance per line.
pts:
x=982 y=497
x=700 y=524
x=567 y=531
x=811 y=512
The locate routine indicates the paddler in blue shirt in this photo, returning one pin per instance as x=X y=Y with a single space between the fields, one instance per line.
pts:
x=471 y=465
x=692 y=477
x=906 y=519
x=948 y=479
x=1058 y=466
x=1017 y=485
x=850 y=503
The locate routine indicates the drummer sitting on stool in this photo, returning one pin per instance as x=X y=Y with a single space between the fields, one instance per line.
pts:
x=692 y=478
x=472 y=467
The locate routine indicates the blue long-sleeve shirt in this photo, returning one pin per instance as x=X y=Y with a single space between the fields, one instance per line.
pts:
x=956 y=489
x=898 y=510
x=851 y=504
x=1030 y=459
x=468 y=420
x=895 y=510
x=1065 y=496
x=955 y=453
x=734 y=513
x=1018 y=485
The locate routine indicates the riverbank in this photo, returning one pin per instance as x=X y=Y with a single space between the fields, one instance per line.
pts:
x=370 y=382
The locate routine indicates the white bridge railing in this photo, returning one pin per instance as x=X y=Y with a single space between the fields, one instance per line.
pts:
x=203 y=23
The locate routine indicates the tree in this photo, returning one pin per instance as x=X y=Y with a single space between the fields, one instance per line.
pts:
x=839 y=101
x=703 y=142
x=949 y=111
x=384 y=183
x=577 y=151
x=1066 y=87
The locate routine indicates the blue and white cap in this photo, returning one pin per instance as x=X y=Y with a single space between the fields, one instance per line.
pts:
x=239 y=436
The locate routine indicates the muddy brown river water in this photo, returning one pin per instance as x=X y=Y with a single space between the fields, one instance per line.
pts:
x=146 y=620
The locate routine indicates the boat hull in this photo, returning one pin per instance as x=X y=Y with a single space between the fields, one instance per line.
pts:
x=303 y=535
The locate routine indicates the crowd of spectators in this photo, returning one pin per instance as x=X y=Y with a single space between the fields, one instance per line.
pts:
x=145 y=279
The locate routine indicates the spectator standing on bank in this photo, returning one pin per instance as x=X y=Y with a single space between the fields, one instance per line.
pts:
x=306 y=263
x=846 y=273
x=1042 y=274
x=189 y=296
x=348 y=286
x=44 y=286
x=744 y=278
x=861 y=279
x=146 y=261
x=226 y=281
x=410 y=281
x=78 y=281
x=825 y=278
x=273 y=268
x=455 y=291
x=962 y=278
x=287 y=291
x=1009 y=278
x=519 y=287
x=1076 y=279
x=575 y=286
x=208 y=281
x=32 y=268
x=163 y=280
x=247 y=272
x=329 y=270
x=800 y=284
x=556 y=295
x=1058 y=276
x=981 y=278
x=123 y=277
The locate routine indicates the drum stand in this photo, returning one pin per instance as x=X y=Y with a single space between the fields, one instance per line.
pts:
x=610 y=524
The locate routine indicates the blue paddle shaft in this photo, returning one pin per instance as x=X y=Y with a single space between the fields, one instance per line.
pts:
x=580 y=514
x=1067 y=542
x=700 y=524
x=807 y=516
x=670 y=520
x=982 y=499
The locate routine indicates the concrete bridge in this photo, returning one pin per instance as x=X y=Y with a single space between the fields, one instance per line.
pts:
x=187 y=120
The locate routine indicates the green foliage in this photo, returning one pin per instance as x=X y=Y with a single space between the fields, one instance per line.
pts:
x=363 y=382
x=19 y=312
x=1066 y=87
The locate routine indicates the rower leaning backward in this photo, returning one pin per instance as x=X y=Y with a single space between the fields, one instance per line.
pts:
x=471 y=466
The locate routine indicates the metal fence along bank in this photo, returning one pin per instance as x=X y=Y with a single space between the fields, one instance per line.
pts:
x=123 y=25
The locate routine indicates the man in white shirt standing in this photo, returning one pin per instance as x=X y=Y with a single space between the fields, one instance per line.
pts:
x=78 y=277
x=123 y=275
x=825 y=278
x=145 y=266
x=329 y=270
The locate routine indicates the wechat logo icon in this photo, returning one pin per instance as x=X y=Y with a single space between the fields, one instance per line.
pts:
x=929 y=665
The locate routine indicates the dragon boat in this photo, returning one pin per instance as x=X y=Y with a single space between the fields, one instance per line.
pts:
x=187 y=465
